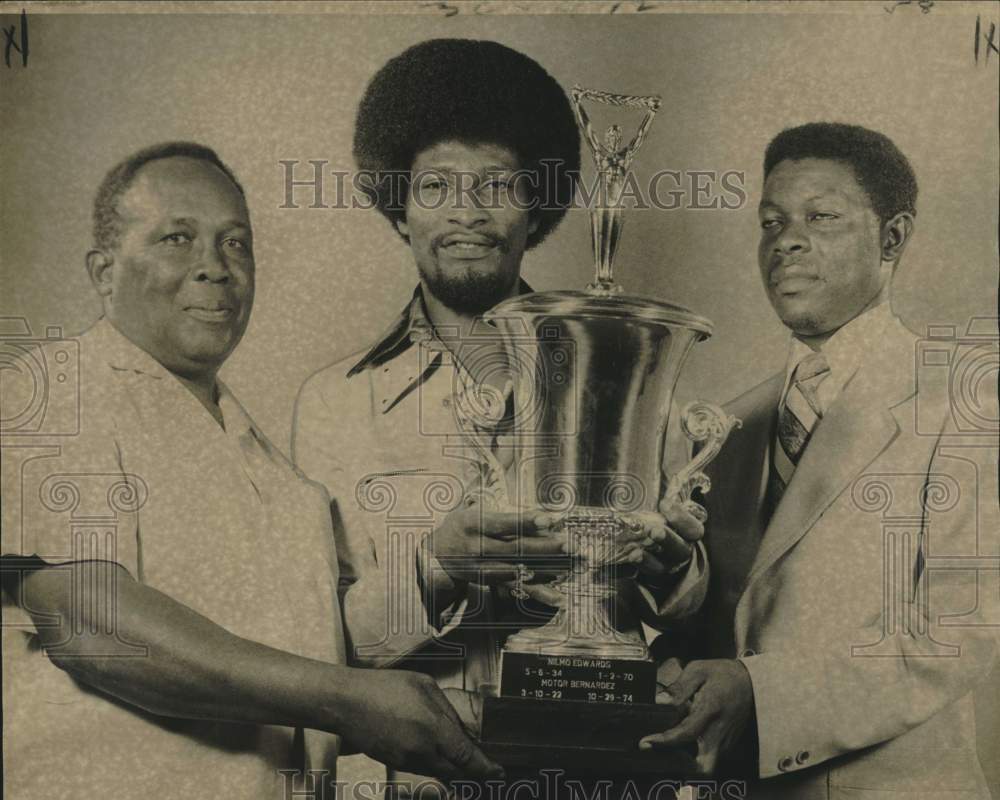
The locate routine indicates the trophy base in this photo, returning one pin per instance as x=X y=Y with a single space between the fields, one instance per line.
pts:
x=581 y=713
x=553 y=639
x=585 y=677
x=582 y=737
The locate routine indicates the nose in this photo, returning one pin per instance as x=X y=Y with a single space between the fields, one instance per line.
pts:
x=793 y=238
x=213 y=267
x=468 y=210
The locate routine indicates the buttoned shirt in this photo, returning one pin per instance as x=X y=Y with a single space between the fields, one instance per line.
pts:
x=214 y=517
x=387 y=435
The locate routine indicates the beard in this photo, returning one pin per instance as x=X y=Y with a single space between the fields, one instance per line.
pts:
x=470 y=292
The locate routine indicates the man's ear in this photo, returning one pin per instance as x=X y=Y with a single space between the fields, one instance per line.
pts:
x=895 y=235
x=100 y=267
x=533 y=224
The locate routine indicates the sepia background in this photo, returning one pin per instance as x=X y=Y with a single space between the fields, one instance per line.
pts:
x=265 y=86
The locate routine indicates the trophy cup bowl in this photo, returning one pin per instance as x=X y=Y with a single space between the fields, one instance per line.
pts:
x=593 y=382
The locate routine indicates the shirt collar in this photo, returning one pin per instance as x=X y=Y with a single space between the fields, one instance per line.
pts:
x=412 y=325
x=121 y=353
x=845 y=350
x=235 y=417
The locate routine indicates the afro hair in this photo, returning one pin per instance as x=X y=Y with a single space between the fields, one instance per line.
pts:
x=474 y=92
x=881 y=169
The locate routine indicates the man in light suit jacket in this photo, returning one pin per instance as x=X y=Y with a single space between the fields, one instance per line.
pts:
x=853 y=519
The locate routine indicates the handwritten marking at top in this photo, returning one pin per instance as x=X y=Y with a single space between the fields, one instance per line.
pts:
x=444 y=8
x=988 y=38
x=925 y=5
x=20 y=46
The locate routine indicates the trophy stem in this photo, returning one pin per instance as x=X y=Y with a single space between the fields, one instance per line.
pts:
x=605 y=227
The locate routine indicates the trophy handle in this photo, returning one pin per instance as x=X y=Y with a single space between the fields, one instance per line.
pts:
x=701 y=422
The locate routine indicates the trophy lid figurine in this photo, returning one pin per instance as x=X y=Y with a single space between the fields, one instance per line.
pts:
x=593 y=374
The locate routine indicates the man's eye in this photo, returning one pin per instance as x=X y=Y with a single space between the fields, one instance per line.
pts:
x=824 y=215
x=432 y=191
x=770 y=224
x=238 y=245
x=176 y=239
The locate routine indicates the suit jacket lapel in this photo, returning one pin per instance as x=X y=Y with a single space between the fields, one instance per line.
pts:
x=736 y=472
x=735 y=513
x=854 y=431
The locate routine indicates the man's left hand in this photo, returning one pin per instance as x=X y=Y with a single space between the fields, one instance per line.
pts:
x=722 y=706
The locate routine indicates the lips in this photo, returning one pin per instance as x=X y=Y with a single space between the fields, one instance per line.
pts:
x=791 y=277
x=793 y=284
x=468 y=245
x=211 y=312
x=468 y=239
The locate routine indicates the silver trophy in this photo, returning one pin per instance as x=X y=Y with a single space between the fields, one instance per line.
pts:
x=594 y=373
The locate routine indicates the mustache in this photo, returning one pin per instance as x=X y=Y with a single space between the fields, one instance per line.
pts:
x=494 y=240
x=214 y=302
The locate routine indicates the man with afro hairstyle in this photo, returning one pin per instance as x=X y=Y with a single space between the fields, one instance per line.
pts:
x=471 y=151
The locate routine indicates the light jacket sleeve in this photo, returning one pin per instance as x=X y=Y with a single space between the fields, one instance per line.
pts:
x=385 y=617
x=934 y=640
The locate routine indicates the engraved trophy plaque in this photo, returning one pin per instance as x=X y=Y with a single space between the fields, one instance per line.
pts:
x=594 y=373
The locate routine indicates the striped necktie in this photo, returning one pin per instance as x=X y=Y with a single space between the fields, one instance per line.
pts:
x=796 y=421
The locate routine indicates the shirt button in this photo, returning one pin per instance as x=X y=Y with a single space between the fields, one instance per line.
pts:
x=802 y=757
x=446 y=402
x=747 y=653
x=785 y=764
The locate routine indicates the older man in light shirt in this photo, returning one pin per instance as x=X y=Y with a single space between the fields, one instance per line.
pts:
x=171 y=623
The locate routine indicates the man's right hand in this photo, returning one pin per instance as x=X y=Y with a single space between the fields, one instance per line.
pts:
x=474 y=545
x=404 y=720
x=195 y=669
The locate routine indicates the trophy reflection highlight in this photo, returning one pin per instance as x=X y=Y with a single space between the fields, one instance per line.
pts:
x=593 y=373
